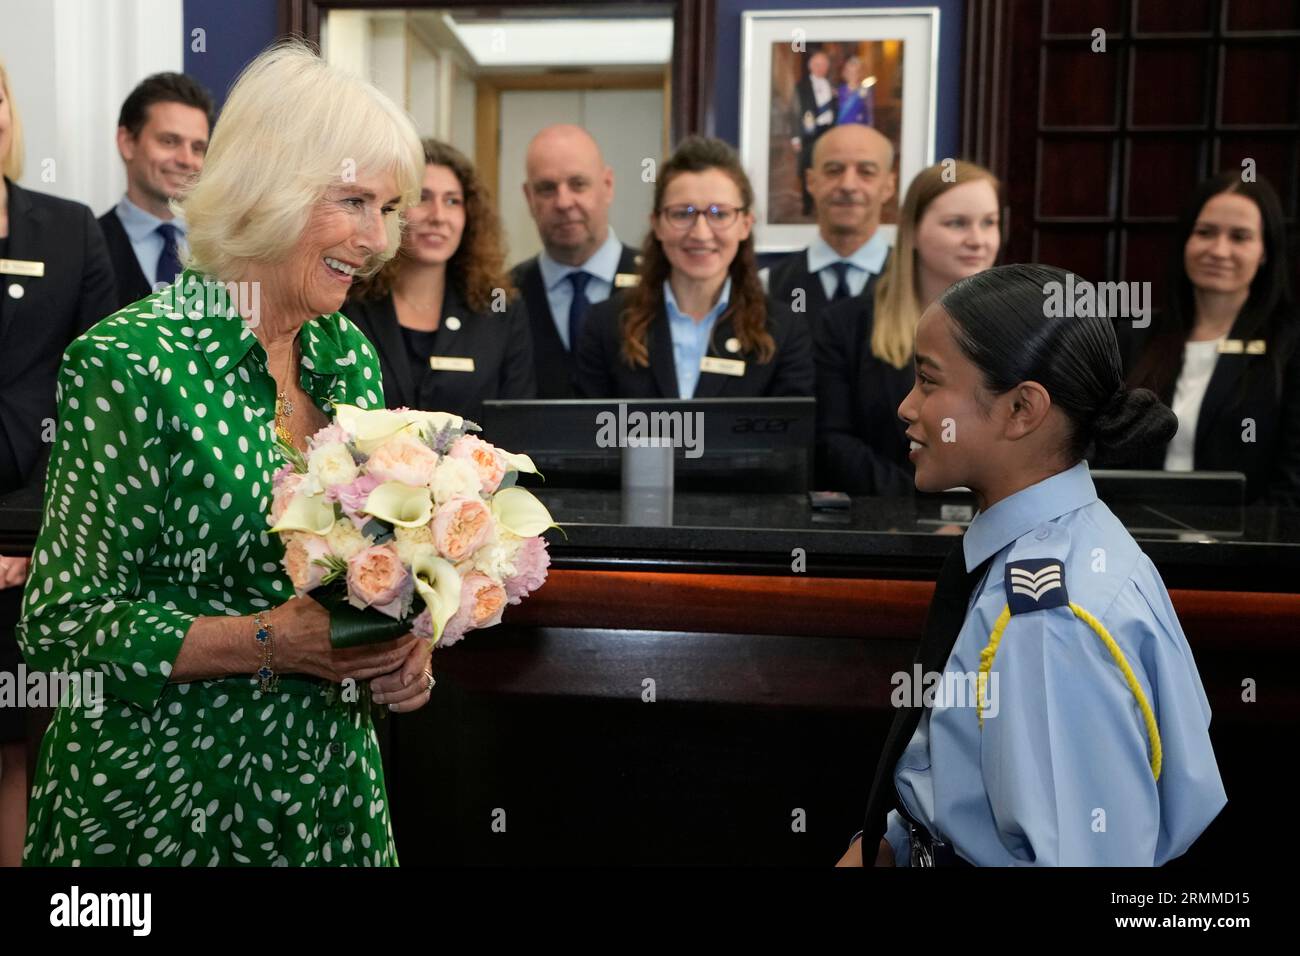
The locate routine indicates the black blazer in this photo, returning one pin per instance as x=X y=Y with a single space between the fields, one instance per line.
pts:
x=791 y=273
x=861 y=442
x=806 y=102
x=554 y=364
x=1241 y=387
x=602 y=373
x=499 y=344
x=132 y=284
x=76 y=291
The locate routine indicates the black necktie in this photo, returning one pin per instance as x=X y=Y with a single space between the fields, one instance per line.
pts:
x=841 y=281
x=578 y=307
x=169 y=263
x=943 y=622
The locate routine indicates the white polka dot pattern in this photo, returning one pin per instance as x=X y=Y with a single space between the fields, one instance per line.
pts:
x=155 y=513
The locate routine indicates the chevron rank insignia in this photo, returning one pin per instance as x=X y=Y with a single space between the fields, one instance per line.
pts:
x=1035 y=584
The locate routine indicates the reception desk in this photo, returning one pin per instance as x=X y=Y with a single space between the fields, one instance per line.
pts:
x=710 y=682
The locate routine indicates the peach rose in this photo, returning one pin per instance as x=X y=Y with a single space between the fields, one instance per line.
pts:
x=482 y=602
x=377 y=579
x=491 y=467
x=282 y=493
x=460 y=527
x=405 y=459
x=301 y=549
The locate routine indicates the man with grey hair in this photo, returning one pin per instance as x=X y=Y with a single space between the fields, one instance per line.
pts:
x=569 y=190
x=851 y=179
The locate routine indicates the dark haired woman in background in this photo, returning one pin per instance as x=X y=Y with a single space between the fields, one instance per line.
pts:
x=448 y=338
x=948 y=228
x=1087 y=741
x=698 y=324
x=1223 y=354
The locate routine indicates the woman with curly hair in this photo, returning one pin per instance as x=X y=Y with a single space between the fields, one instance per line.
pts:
x=442 y=313
x=698 y=325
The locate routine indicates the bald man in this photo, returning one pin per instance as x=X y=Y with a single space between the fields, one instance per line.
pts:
x=851 y=178
x=569 y=189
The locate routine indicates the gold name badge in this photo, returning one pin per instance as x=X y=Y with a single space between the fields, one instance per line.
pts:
x=1256 y=347
x=22 y=267
x=1232 y=347
x=450 y=363
x=624 y=279
x=722 y=366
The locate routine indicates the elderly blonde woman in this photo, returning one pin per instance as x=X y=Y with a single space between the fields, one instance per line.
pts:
x=154 y=564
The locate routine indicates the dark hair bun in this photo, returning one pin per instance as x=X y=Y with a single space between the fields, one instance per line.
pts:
x=1133 y=419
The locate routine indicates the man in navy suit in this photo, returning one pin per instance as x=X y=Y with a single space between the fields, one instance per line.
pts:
x=569 y=190
x=162 y=136
x=851 y=178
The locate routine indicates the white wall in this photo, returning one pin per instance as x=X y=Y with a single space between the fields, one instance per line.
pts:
x=628 y=125
x=71 y=64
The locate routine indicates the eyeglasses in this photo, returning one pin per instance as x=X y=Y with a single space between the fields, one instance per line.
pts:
x=682 y=218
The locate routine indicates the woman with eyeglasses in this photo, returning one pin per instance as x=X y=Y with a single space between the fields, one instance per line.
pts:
x=698 y=325
x=440 y=312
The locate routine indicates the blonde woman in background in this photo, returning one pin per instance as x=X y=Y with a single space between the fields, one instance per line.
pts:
x=56 y=279
x=948 y=228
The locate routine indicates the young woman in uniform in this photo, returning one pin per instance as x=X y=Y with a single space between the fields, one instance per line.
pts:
x=1083 y=739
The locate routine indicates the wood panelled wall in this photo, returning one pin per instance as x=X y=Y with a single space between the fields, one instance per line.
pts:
x=1099 y=151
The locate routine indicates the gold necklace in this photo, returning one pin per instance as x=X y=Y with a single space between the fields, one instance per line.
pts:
x=284 y=407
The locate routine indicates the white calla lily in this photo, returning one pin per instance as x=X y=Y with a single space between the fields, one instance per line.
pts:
x=372 y=427
x=307 y=513
x=517 y=462
x=438 y=585
x=519 y=512
x=405 y=506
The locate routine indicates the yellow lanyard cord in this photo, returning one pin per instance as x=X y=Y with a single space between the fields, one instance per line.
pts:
x=1148 y=717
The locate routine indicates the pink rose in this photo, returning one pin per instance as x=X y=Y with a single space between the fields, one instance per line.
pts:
x=330 y=433
x=377 y=579
x=460 y=527
x=482 y=601
x=352 y=498
x=282 y=494
x=530 y=569
x=422 y=626
x=301 y=549
x=403 y=459
x=491 y=467
x=281 y=473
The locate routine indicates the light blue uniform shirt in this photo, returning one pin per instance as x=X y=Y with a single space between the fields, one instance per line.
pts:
x=602 y=266
x=1060 y=774
x=866 y=260
x=691 y=338
x=142 y=229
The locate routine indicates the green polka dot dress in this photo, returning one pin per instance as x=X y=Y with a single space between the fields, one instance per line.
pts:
x=155 y=513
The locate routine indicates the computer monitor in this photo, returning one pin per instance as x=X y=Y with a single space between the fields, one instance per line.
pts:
x=719 y=444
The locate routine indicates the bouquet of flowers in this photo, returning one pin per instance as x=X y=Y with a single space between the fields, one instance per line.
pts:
x=393 y=505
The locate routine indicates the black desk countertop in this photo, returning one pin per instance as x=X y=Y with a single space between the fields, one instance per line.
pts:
x=1254 y=548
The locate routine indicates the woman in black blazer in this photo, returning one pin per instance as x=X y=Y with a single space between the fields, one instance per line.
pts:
x=1224 y=352
x=947 y=229
x=698 y=324
x=438 y=313
x=56 y=281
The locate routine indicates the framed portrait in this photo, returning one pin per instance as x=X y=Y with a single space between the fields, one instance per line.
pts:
x=805 y=71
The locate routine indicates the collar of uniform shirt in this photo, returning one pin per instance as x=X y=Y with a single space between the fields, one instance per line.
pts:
x=676 y=315
x=1017 y=515
x=869 y=257
x=139 y=223
x=603 y=263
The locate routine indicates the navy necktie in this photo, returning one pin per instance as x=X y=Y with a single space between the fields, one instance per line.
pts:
x=578 y=307
x=169 y=263
x=841 y=281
